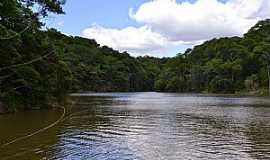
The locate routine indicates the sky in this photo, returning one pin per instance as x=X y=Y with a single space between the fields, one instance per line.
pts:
x=160 y=28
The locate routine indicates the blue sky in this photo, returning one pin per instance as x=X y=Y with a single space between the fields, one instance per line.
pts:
x=106 y=20
x=81 y=14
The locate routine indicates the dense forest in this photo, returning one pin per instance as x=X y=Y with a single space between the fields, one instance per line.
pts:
x=38 y=67
x=225 y=65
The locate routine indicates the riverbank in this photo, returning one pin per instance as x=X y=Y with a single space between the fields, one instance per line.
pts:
x=257 y=93
x=2 y=109
x=5 y=110
x=262 y=92
x=19 y=108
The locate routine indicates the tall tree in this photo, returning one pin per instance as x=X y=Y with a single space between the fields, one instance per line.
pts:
x=263 y=51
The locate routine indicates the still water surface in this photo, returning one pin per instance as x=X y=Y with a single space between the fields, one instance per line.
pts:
x=143 y=126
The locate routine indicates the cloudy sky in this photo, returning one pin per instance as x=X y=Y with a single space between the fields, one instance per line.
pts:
x=158 y=27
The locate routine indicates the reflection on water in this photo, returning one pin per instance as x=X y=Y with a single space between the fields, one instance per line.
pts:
x=144 y=126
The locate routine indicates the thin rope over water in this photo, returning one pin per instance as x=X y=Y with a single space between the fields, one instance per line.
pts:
x=27 y=63
x=39 y=131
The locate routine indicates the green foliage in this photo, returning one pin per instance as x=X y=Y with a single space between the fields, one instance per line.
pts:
x=38 y=68
x=28 y=60
x=225 y=65
x=96 y=68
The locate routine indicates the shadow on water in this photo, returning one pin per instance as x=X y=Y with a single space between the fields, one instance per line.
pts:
x=20 y=124
x=46 y=144
x=258 y=133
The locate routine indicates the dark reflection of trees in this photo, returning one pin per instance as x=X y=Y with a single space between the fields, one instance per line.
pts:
x=33 y=147
x=82 y=116
x=259 y=136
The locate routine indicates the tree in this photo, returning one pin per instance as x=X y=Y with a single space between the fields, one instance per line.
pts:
x=263 y=52
x=23 y=81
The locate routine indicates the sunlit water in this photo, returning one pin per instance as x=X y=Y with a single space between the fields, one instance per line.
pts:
x=144 y=126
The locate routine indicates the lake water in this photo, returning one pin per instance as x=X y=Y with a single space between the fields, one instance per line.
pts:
x=143 y=126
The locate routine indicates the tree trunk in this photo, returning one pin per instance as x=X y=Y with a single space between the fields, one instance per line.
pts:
x=2 y=109
x=268 y=68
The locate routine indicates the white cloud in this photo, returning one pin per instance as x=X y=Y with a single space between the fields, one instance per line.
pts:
x=60 y=24
x=168 y=23
x=204 y=19
x=138 y=41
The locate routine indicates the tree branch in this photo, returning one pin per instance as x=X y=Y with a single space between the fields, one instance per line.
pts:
x=27 y=63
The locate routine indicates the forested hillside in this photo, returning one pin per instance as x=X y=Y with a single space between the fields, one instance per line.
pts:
x=224 y=65
x=99 y=68
x=39 y=68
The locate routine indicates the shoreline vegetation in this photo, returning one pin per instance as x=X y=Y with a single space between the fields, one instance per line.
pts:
x=40 y=67
x=258 y=93
x=264 y=93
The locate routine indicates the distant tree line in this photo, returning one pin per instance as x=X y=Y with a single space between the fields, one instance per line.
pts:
x=225 y=65
x=39 y=68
